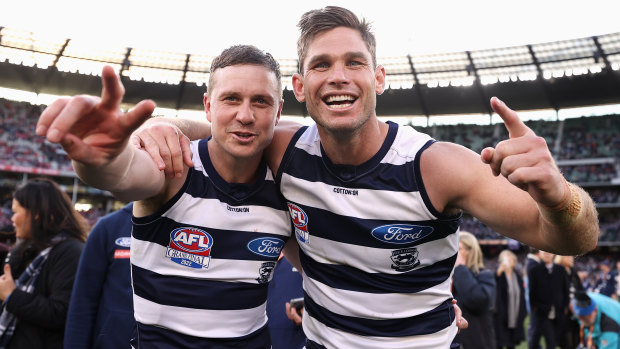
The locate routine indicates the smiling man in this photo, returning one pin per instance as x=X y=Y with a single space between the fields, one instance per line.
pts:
x=376 y=206
x=205 y=242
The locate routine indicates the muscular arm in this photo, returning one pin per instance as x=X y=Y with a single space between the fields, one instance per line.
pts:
x=456 y=179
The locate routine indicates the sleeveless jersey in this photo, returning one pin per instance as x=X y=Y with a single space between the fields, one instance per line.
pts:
x=201 y=264
x=377 y=257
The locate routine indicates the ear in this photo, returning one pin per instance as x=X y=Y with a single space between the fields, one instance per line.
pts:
x=279 y=111
x=207 y=103
x=379 y=79
x=298 y=87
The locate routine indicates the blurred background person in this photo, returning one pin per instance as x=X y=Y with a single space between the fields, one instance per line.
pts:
x=40 y=268
x=510 y=302
x=285 y=285
x=548 y=301
x=474 y=289
x=531 y=260
x=606 y=282
x=101 y=308
x=569 y=338
x=599 y=317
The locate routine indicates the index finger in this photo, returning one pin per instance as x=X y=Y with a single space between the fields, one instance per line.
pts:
x=514 y=125
x=49 y=115
x=113 y=90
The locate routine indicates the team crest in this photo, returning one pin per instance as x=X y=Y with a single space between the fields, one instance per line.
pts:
x=190 y=247
x=300 y=221
x=265 y=271
x=405 y=259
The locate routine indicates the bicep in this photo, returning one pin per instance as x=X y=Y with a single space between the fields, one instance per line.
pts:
x=456 y=179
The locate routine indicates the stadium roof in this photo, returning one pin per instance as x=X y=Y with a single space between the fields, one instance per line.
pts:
x=556 y=75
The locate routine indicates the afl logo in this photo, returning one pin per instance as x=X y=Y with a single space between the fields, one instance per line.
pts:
x=299 y=217
x=401 y=233
x=300 y=221
x=190 y=247
x=191 y=240
x=268 y=247
x=123 y=242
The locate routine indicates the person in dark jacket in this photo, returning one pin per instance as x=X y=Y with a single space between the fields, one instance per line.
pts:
x=285 y=285
x=474 y=289
x=101 y=307
x=549 y=299
x=510 y=302
x=40 y=269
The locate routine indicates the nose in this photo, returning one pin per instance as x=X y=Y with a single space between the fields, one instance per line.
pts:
x=338 y=74
x=245 y=114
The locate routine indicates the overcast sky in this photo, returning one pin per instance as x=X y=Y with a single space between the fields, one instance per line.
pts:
x=402 y=27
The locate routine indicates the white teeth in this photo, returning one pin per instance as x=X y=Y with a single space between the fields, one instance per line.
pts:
x=339 y=98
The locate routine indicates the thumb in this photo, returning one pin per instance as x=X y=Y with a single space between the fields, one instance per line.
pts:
x=514 y=125
x=7 y=271
x=138 y=115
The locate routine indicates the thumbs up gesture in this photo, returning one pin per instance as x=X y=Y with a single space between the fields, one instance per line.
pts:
x=525 y=160
x=7 y=284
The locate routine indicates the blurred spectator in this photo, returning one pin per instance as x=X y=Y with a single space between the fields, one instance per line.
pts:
x=606 y=283
x=101 y=308
x=474 y=289
x=599 y=317
x=510 y=302
x=548 y=285
x=569 y=338
x=40 y=269
x=285 y=285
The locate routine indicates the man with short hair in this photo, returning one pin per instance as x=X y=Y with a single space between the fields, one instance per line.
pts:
x=376 y=206
x=204 y=243
x=599 y=317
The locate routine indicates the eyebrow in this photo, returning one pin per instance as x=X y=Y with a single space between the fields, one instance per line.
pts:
x=326 y=57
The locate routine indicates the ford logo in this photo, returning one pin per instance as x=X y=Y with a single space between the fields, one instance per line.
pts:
x=268 y=247
x=401 y=233
x=123 y=242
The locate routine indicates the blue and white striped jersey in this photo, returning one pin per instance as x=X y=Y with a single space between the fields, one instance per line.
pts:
x=201 y=264
x=377 y=257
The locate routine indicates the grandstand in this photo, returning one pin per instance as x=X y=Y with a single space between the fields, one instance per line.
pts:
x=548 y=76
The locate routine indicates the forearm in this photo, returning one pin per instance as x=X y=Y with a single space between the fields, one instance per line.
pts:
x=193 y=129
x=130 y=176
x=571 y=228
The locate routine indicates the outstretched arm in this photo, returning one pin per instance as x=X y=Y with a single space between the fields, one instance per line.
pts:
x=95 y=132
x=517 y=189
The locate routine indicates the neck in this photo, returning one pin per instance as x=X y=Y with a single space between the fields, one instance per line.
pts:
x=356 y=147
x=234 y=169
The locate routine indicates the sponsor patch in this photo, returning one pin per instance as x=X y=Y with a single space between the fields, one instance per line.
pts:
x=267 y=247
x=405 y=259
x=265 y=271
x=300 y=221
x=123 y=242
x=122 y=254
x=190 y=247
x=401 y=233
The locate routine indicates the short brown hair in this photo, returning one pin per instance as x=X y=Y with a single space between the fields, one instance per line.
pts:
x=330 y=17
x=245 y=54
